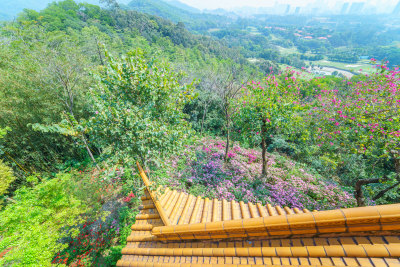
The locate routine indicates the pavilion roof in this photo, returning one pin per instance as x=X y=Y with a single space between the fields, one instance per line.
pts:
x=179 y=229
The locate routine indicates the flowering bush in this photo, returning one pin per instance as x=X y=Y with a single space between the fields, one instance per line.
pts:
x=78 y=218
x=288 y=183
x=269 y=108
x=87 y=248
x=363 y=121
x=97 y=238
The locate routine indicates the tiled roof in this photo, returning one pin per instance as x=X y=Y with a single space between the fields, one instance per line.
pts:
x=178 y=229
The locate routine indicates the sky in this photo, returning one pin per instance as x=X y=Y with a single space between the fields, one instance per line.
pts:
x=227 y=4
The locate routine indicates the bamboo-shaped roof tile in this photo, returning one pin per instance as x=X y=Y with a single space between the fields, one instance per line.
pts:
x=179 y=229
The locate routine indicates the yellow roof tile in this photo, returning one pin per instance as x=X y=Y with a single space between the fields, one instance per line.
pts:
x=178 y=229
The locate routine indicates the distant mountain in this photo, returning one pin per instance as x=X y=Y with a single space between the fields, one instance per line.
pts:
x=222 y=12
x=183 y=6
x=178 y=12
x=161 y=9
x=9 y=9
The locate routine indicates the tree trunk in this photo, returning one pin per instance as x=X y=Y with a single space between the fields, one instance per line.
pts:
x=228 y=131
x=203 y=118
x=359 y=195
x=99 y=52
x=89 y=151
x=264 y=148
x=397 y=165
x=227 y=142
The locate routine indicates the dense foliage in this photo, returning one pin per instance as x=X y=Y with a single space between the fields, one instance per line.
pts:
x=6 y=178
x=44 y=214
x=138 y=109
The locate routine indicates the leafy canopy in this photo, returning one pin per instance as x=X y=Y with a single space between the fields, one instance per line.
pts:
x=137 y=107
x=270 y=104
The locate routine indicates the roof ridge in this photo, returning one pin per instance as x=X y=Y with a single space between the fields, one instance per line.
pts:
x=153 y=196
x=376 y=219
x=231 y=233
x=201 y=222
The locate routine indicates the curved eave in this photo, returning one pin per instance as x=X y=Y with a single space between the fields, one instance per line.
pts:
x=373 y=219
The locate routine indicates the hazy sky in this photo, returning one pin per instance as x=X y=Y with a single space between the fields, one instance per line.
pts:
x=226 y=4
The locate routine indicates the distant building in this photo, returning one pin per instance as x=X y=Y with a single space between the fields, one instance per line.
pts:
x=287 y=9
x=356 y=8
x=396 y=10
x=297 y=11
x=344 y=9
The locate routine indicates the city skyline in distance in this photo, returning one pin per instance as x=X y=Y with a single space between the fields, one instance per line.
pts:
x=300 y=7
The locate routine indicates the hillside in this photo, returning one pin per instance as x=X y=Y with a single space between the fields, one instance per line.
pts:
x=179 y=12
x=183 y=6
x=10 y=8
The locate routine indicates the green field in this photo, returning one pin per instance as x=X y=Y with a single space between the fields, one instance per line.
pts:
x=353 y=67
x=253 y=30
x=287 y=51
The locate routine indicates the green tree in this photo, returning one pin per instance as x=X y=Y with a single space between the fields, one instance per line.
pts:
x=268 y=108
x=42 y=75
x=137 y=108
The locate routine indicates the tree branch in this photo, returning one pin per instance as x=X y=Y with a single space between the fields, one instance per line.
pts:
x=383 y=192
x=359 y=193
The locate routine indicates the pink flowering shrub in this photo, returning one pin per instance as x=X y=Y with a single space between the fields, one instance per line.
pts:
x=287 y=184
x=363 y=121
x=101 y=237
x=128 y=198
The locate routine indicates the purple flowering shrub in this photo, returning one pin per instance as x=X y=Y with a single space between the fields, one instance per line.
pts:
x=200 y=170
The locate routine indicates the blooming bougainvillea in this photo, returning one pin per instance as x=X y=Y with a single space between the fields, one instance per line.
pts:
x=287 y=185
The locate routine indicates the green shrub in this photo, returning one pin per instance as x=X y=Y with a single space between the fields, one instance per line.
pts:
x=39 y=218
x=6 y=178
